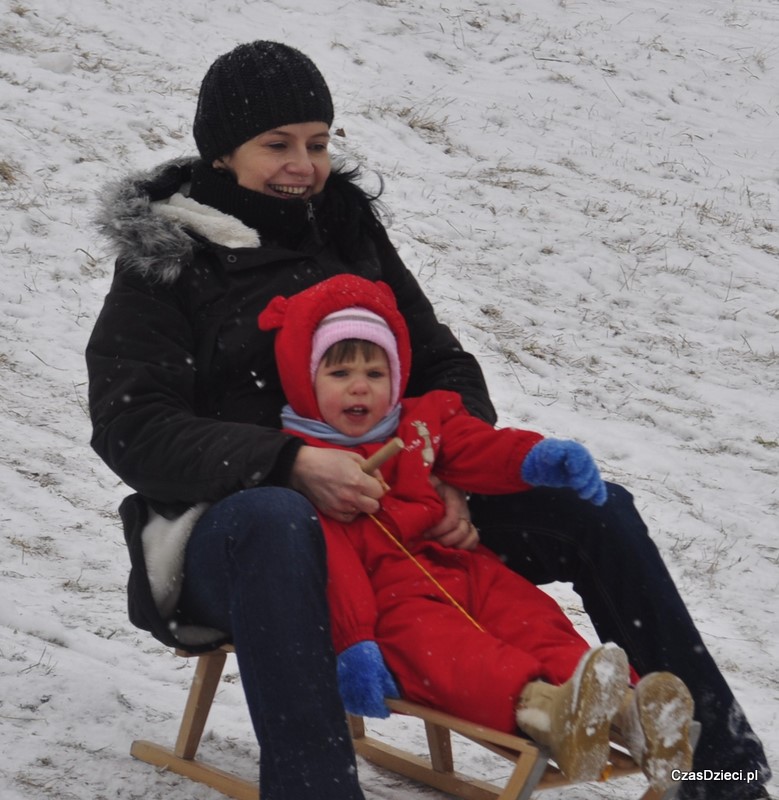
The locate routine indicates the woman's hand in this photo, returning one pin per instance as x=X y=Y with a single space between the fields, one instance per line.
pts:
x=455 y=529
x=334 y=482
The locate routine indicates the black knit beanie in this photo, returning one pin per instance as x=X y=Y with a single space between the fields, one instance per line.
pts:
x=254 y=88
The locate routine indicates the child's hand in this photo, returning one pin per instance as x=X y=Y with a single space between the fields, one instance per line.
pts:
x=562 y=463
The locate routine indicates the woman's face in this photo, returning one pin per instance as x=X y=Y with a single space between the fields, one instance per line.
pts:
x=291 y=162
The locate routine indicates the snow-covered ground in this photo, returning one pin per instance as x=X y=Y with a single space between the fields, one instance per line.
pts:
x=588 y=188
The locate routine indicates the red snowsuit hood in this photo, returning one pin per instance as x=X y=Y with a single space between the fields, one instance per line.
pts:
x=298 y=317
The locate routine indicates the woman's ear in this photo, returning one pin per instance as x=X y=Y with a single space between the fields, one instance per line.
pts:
x=219 y=163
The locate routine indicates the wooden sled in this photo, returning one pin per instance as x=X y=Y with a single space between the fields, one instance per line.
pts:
x=532 y=769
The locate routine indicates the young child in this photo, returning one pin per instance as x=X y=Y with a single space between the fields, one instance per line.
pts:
x=459 y=631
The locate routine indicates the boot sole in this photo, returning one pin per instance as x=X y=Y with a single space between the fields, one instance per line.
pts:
x=600 y=682
x=665 y=711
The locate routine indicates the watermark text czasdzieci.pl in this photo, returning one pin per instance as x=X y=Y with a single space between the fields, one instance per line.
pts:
x=741 y=775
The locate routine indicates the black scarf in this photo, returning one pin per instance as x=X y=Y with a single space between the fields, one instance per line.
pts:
x=342 y=215
x=287 y=223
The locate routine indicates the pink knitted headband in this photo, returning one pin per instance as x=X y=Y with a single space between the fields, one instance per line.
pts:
x=357 y=323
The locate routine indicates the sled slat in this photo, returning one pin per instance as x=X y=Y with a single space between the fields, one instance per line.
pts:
x=532 y=770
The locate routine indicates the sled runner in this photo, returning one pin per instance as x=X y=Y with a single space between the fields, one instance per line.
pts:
x=532 y=770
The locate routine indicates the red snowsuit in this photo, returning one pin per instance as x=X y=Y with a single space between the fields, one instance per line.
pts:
x=439 y=657
x=376 y=591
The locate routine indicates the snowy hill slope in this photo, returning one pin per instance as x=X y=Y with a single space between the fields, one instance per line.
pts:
x=589 y=191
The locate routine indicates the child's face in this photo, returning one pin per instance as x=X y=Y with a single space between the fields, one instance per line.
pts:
x=354 y=395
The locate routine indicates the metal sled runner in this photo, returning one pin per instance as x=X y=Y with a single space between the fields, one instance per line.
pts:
x=532 y=770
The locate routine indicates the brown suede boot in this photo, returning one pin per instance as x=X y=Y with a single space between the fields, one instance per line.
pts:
x=573 y=720
x=654 y=720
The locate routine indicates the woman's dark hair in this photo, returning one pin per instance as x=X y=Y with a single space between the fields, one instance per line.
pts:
x=350 y=212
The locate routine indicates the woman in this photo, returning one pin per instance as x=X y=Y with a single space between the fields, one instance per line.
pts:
x=185 y=401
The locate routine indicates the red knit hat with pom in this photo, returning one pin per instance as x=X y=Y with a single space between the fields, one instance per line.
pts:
x=297 y=319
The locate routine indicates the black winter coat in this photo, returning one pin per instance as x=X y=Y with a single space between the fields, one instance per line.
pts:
x=184 y=394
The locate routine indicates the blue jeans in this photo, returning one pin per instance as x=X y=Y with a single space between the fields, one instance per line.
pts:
x=606 y=554
x=256 y=568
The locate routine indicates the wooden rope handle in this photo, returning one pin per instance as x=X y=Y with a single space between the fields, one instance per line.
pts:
x=391 y=448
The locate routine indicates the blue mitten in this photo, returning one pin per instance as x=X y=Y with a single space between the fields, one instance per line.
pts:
x=558 y=462
x=364 y=680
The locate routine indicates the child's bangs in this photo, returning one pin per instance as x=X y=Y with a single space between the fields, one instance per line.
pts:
x=348 y=349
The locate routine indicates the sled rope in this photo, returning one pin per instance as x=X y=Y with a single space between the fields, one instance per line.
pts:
x=426 y=572
x=391 y=448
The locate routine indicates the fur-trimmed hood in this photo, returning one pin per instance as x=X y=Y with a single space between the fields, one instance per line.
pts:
x=155 y=226
x=152 y=223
